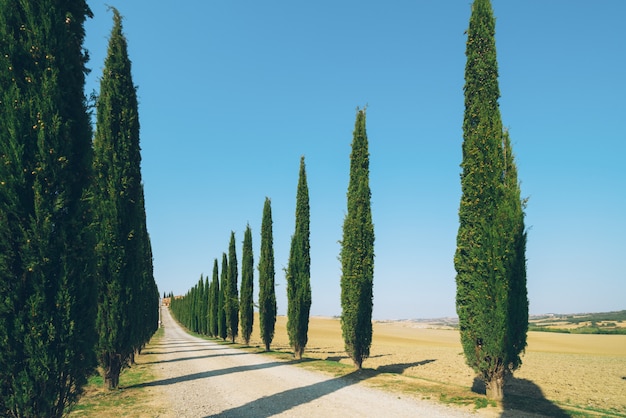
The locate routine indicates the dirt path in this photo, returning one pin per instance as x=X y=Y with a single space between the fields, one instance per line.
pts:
x=205 y=379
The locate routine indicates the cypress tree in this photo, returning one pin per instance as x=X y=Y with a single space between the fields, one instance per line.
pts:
x=215 y=301
x=146 y=296
x=47 y=308
x=267 y=291
x=206 y=305
x=357 y=252
x=247 y=286
x=221 y=318
x=231 y=295
x=124 y=266
x=491 y=296
x=299 y=271
x=199 y=301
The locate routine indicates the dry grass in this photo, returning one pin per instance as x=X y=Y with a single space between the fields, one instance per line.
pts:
x=129 y=400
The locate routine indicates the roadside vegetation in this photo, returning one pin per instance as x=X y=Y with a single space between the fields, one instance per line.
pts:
x=128 y=399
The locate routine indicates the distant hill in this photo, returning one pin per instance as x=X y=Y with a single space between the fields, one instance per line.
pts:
x=582 y=323
x=579 y=323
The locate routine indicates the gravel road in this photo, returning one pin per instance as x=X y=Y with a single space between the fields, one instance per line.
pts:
x=205 y=379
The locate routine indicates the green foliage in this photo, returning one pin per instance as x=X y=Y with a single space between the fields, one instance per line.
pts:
x=247 y=287
x=490 y=259
x=214 y=301
x=127 y=297
x=231 y=294
x=298 y=272
x=357 y=252
x=221 y=319
x=267 y=292
x=47 y=308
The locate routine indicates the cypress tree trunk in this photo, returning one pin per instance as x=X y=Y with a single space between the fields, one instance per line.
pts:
x=247 y=287
x=47 y=308
x=357 y=252
x=267 y=292
x=491 y=281
x=299 y=271
x=112 y=371
x=232 y=295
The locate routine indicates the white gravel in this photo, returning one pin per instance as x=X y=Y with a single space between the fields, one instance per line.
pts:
x=205 y=379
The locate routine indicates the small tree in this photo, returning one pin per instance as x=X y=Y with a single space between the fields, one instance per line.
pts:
x=357 y=252
x=231 y=295
x=491 y=299
x=267 y=292
x=246 y=305
x=299 y=271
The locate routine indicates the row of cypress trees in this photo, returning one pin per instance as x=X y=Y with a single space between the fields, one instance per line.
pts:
x=491 y=299
x=216 y=308
x=76 y=280
x=222 y=308
x=202 y=308
x=213 y=307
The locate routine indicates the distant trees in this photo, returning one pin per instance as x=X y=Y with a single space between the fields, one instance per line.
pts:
x=246 y=305
x=357 y=252
x=490 y=259
x=47 y=307
x=298 y=273
x=267 y=292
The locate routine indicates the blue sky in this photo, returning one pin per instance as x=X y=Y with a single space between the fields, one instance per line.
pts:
x=233 y=93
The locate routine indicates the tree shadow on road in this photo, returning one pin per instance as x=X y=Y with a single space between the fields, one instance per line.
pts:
x=192 y=358
x=151 y=351
x=280 y=402
x=213 y=373
x=523 y=397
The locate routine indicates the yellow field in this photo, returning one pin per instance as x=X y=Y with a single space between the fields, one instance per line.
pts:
x=570 y=369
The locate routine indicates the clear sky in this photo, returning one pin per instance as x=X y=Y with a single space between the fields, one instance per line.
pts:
x=233 y=93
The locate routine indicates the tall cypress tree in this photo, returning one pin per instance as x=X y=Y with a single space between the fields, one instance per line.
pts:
x=124 y=270
x=491 y=296
x=47 y=308
x=214 y=305
x=299 y=271
x=222 y=328
x=357 y=252
x=246 y=306
x=231 y=295
x=206 y=305
x=267 y=291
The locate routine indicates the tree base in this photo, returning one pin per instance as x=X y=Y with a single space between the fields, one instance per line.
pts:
x=495 y=389
x=112 y=373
